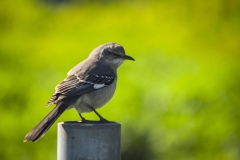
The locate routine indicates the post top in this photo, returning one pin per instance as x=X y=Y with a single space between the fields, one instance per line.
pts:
x=90 y=123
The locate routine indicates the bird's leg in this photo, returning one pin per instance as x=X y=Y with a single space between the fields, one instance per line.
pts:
x=100 y=117
x=83 y=119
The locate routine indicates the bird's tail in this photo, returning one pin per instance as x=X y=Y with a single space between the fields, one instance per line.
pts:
x=46 y=123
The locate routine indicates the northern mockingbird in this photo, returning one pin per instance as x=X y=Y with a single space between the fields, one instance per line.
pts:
x=88 y=86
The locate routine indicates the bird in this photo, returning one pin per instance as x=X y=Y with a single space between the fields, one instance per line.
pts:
x=88 y=86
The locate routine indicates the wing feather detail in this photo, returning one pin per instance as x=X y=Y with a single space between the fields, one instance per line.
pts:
x=75 y=85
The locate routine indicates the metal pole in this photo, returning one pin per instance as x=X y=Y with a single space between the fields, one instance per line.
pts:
x=88 y=141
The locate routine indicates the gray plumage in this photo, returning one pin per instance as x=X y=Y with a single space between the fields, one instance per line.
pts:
x=88 y=86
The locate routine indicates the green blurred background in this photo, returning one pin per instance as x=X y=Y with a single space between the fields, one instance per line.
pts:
x=179 y=100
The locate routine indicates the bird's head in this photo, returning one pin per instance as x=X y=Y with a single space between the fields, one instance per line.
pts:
x=112 y=53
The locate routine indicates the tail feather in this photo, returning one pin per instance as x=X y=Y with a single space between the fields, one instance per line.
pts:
x=46 y=123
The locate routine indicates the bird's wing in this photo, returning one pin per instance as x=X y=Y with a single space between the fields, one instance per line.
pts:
x=75 y=85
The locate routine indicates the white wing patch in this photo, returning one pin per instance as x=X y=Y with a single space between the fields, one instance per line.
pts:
x=97 y=86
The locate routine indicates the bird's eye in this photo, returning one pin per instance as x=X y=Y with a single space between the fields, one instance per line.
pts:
x=115 y=54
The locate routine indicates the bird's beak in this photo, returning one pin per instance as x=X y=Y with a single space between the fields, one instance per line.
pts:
x=128 y=57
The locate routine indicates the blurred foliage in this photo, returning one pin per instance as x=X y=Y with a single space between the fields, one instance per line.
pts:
x=180 y=99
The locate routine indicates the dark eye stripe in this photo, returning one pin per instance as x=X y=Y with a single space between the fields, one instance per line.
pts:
x=115 y=54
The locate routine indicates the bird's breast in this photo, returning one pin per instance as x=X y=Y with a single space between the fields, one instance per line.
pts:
x=96 y=98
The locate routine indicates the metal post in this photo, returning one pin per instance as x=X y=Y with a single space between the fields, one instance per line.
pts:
x=88 y=141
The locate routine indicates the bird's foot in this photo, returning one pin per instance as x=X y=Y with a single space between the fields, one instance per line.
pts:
x=103 y=120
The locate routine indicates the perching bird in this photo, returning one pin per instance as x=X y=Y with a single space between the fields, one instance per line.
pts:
x=88 y=86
